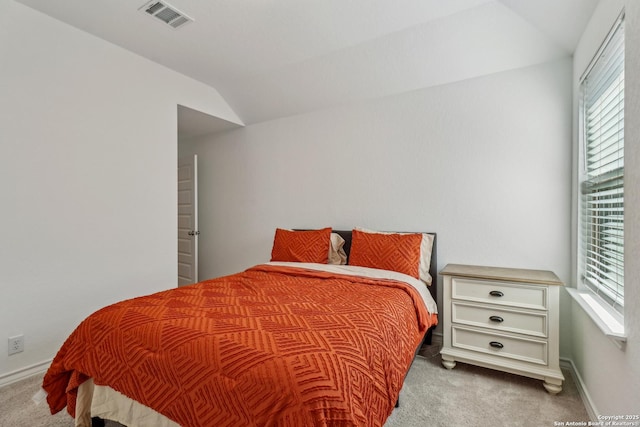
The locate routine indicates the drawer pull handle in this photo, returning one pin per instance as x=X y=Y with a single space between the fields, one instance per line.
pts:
x=496 y=294
x=496 y=319
x=496 y=344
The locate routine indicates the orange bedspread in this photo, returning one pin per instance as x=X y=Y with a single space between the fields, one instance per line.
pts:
x=269 y=346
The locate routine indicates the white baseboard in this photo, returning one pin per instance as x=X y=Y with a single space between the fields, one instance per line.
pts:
x=24 y=373
x=582 y=389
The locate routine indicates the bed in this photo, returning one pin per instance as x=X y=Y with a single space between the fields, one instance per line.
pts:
x=301 y=340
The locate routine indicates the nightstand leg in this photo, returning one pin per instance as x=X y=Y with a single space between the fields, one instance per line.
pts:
x=553 y=386
x=449 y=364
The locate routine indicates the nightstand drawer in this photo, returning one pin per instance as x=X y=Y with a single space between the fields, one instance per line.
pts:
x=501 y=293
x=500 y=319
x=523 y=349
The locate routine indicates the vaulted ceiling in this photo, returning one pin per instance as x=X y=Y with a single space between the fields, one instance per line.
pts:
x=276 y=58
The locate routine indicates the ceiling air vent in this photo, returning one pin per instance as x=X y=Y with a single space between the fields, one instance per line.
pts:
x=166 y=13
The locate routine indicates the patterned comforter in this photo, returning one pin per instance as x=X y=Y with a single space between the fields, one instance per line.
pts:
x=273 y=345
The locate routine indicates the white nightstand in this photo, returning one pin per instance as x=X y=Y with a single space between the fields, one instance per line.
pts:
x=503 y=318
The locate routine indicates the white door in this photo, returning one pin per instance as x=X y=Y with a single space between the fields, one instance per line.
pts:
x=188 y=220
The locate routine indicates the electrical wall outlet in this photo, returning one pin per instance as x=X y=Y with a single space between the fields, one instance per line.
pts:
x=16 y=344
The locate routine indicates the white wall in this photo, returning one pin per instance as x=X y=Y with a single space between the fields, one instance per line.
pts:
x=485 y=163
x=88 y=167
x=612 y=376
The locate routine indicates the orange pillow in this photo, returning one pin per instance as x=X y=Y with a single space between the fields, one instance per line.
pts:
x=301 y=246
x=396 y=252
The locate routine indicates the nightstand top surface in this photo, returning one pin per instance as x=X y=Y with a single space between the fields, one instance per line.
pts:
x=501 y=273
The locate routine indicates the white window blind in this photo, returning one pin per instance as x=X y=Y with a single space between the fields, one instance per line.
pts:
x=602 y=182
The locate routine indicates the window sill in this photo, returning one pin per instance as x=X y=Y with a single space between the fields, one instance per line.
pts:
x=609 y=322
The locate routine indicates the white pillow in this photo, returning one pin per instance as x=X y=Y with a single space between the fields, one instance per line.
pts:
x=337 y=255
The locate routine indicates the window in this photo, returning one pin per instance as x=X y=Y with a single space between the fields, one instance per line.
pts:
x=601 y=264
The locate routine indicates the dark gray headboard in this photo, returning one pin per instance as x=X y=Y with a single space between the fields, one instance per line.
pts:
x=433 y=269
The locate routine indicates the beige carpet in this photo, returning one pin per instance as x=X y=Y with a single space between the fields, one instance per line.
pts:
x=432 y=396
x=472 y=396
